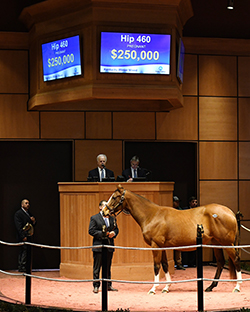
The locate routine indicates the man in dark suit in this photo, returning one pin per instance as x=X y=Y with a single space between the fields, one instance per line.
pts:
x=22 y=217
x=104 y=230
x=134 y=171
x=97 y=174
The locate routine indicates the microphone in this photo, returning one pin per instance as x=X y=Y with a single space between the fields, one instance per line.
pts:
x=103 y=166
x=148 y=172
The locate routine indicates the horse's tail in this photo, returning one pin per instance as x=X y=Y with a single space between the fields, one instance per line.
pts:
x=237 y=236
x=235 y=265
x=232 y=268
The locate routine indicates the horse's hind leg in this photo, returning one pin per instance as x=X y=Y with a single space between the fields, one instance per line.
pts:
x=234 y=267
x=157 y=265
x=164 y=262
x=220 y=264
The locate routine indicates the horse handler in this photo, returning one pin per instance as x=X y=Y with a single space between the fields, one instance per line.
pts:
x=103 y=229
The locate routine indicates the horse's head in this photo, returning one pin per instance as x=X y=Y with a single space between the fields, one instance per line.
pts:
x=115 y=202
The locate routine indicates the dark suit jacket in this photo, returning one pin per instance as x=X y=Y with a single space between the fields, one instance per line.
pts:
x=20 y=219
x=127 y=173
x=95 y=173
x=95 y=230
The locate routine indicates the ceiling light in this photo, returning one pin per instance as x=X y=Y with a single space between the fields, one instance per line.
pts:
x=230 y=4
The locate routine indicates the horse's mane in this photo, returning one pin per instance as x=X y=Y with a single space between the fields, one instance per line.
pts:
x=145 y=199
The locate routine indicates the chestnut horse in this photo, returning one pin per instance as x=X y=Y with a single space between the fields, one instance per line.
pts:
x=169 y=227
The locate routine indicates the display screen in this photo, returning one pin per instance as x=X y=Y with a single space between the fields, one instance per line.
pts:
x=132 y=53
x=180 y=69
x=61 y=58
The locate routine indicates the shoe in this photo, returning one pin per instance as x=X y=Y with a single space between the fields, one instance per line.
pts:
x=180 y=267
x=110 y=288
x=96 y=290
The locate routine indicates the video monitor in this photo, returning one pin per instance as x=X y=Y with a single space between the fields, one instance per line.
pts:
x=108 y=179
x=139 y=179
x=120 y=178
x=135 y=53
x=61 y=58
x=180 y=65
x=92 y=179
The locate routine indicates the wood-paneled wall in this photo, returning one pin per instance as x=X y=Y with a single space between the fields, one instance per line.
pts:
x=216 y=114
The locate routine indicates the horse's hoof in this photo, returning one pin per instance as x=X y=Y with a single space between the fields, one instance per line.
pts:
x=151 y=292
x=236 y=290
x=208 y=289
x=165 y=291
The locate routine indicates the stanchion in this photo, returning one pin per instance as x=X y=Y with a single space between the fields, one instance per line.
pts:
x=199 y=261
x=104 y=276
x=28 y=271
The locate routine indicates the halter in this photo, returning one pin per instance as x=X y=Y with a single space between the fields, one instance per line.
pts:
x=118 y=204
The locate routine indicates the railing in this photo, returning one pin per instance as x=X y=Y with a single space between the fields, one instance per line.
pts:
x=200 y=295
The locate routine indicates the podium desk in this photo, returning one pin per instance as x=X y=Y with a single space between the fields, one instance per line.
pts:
x=79 y=201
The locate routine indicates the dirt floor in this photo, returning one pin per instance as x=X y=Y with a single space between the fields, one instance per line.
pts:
x=80 y=297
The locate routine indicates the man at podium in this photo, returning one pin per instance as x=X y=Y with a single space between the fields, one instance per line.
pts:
x=134 y=171
x=101 y=172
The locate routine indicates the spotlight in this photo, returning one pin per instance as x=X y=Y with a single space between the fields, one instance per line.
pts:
x=230 y=4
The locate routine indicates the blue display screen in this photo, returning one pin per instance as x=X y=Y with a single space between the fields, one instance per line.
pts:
x=181 y=55
x=133 y=53
x=61 y=58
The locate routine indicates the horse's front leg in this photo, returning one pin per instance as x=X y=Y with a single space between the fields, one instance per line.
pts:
x=164 y=262
x=157 y=265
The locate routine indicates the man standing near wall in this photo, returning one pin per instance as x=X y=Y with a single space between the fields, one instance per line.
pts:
x=24 y=222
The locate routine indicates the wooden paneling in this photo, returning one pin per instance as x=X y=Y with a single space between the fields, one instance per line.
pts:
x=190 y=81
x=79 y=201
x=218 y=160
x=219 y=192
x=62 y=125
x=133 y=125
x=180 y=124
x=75 y=217
x=15 y=121
x=244 y=76
x=87 y=151
x=216 y=46
x=13 y=71
x=244 y=191
x=98 y=125
x=217 y=118
x=244 y=113
x=14 y=40
x=218 y=75
x=244 y=160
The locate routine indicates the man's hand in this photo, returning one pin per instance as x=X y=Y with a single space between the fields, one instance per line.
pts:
x=25 y=239
x=111 y=234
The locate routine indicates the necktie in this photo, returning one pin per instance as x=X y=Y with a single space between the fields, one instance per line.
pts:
x=106 y=222
x=135 y=173
x=102 y=174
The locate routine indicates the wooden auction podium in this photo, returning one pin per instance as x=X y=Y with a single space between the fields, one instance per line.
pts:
x=79 y=201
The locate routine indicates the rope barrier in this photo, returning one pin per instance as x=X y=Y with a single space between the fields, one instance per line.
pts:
x=122 y=281
x=9 y=273
x=28 y=275
x=124 y=248
x=245 y=228
x=246 y=251
x=121 y=247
